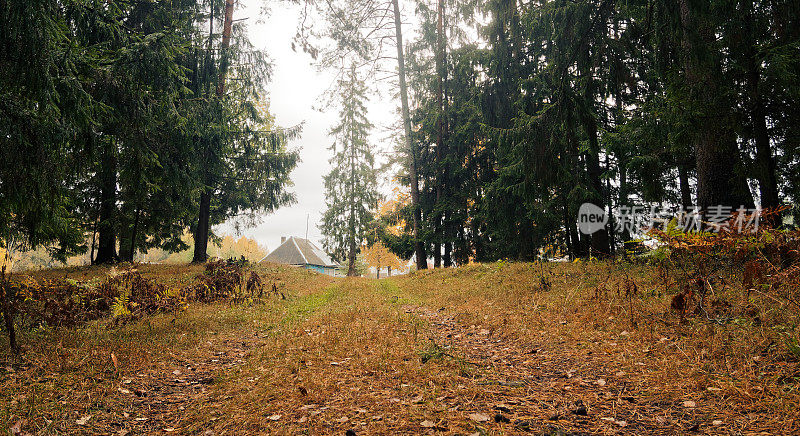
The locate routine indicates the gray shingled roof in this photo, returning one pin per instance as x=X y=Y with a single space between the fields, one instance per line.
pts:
x=299 y=251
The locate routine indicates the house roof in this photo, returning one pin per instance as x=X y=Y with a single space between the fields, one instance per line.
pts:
x=299 y=251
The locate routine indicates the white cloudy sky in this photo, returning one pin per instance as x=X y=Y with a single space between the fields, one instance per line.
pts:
x=295 y=90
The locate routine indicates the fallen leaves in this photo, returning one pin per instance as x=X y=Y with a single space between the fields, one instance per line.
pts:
x=615 y=421
x=519 y=379
x=478 y=417
x=84 y=420
x=16 y=429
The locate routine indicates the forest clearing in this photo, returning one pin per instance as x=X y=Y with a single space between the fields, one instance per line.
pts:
x=501 y=348
x=581 y=216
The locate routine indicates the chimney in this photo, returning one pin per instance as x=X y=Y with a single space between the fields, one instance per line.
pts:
x=283 y=239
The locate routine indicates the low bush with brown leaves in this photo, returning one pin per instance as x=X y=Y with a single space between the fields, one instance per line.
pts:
x=67 y=302
x=124 y=295
x=733 y=275
x=224 y=280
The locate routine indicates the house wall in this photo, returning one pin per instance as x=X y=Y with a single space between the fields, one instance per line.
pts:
x=321 y=269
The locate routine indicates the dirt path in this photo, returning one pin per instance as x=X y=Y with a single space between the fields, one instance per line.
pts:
x=374 y=357
x=156 y=400
x=549 y=387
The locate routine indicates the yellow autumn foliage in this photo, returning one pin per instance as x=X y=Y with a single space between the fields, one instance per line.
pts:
x=379 y=256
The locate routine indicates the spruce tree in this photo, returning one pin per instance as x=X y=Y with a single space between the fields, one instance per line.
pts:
x=351 y=186
x=242 y=162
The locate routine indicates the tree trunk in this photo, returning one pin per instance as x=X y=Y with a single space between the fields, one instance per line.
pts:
x=447 y=227
x=351 y=259
x=612 y=245
x=351 y=224
x=94 y=239
x=579 y=248
x=599 y=239
x=622 y=166
x=127 y=241
x=767 y=180
x=440 y=133
x=226 y=42
x=419 y=248
x=8 y=295
x=477 y=243
x=204 y=218
x=716 y=151
x=134 y=234
x=8 y=317
x=567 y=233
x=107 y=237
x=765 y=162
x=623 y=195
x=447 y=257
x=202 y=230
x=683 y=183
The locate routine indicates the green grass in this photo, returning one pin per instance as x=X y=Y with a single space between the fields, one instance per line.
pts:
x=299 y=307
x=389 y=290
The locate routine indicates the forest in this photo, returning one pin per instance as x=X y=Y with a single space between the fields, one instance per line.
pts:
x=127 y=123
x=547 y=105
x=135 y=121
x=581 y=218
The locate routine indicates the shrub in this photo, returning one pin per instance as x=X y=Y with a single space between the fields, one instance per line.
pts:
x=225 y=280
x=733 y=274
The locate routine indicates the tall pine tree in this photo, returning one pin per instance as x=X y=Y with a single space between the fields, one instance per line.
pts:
x=351 y=186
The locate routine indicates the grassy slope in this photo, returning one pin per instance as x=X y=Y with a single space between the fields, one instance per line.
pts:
x=430 y=352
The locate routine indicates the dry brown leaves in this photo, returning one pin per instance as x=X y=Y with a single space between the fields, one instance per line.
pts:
x=482 y=348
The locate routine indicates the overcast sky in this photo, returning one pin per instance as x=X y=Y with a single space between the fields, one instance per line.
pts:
x=294 y=92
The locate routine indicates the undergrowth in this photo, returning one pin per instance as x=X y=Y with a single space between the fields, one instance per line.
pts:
x=124 y=294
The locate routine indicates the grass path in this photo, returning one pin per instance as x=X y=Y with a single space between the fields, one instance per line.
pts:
x=476 y=350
